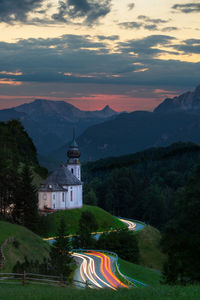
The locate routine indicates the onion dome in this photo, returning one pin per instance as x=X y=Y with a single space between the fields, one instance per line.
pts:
x=73 y=151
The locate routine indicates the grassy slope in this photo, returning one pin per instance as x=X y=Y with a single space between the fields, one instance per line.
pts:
x=105 y=220
x=150 y=252
x=13 y=292
x=30 y=244
x=140 y=273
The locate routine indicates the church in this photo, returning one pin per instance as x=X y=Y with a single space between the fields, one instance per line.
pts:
x=63 y=188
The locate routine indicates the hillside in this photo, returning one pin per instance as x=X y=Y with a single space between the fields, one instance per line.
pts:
x=174 y=120
x=151 y=255
x=143 y=185
x=17 y=148
x=105 y=220
x=130 y=133
x=50 y=123
x=29 y=245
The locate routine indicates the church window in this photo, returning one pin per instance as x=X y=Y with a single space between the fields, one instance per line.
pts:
x=63 y=197
x=54 y=197
x=71 y=196
x=72 y=170
x=45 y=196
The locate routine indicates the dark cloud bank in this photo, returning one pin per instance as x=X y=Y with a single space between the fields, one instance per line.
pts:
x=79 y=59
x=90 y=11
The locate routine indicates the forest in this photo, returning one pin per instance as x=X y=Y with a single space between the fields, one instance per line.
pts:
x=141 y=186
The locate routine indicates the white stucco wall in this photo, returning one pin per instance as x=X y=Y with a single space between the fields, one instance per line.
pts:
x=57 y=198
x=76 y=170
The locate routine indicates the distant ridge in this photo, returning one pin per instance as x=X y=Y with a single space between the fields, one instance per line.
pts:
x=189 y=101
x=50 y=123
x=175 y=120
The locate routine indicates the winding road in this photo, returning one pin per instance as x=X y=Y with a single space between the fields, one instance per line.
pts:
x=97 y=270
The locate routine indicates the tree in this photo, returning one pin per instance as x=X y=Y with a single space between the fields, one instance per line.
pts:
x=181 y=240
x=154 y=206
x=26 y=205
x=124 y=243
x=90 y=198
x=60 y=258
x=87 y=225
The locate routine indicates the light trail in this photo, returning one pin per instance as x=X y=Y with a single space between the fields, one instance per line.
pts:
x=88 y=272
x=131 y=225
x=106 y=270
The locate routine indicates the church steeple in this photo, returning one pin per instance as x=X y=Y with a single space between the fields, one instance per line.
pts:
x=73 y=153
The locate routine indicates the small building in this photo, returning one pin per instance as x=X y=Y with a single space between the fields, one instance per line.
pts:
x=63 y=188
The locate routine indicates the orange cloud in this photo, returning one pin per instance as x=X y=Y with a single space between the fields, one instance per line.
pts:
x=9 y=82
x=11 y=73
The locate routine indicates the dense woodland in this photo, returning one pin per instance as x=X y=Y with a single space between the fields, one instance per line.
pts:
x=142 y=185
x=18 y=164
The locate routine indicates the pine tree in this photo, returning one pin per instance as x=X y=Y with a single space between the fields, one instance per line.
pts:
x=181 y=240
x=60 y=258
x=87 y=225
x=28 y=200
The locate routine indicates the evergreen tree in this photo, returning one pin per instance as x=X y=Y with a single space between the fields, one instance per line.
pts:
x=28 y=200
x=60 y=258
x=87 y=225
x=124 y=243
x=90 y=198
x=181 y=239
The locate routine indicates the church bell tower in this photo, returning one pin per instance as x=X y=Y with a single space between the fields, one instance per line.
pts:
x=73 y=163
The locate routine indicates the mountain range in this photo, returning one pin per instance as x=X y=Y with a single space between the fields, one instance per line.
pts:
x=50 y=123
x=107 y=133
x=174 y=120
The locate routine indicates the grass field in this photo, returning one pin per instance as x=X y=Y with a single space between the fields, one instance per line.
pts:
x=105 y=220
x=30 y=245
x=14 y=292
x=140 y=273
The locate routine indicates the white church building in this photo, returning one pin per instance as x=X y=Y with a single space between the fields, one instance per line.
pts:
x=63 y=188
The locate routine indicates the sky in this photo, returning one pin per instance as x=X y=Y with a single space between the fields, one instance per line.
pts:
x=128 y=54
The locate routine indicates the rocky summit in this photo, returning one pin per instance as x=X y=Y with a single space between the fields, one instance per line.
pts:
x=189 y=101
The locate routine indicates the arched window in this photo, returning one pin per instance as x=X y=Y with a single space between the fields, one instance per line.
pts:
x=72 y=170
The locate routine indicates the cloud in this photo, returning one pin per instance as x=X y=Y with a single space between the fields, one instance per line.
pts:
x=150 y=20
x=88 y=10
x=147 y=23
x=189 y=46
x=80 y=59
x=169 y=28
x=130 y=25
x=151 y=27
x=187 y=8
x=147 y=47
x=12 y=10
x=131 y=6
x=110 y=38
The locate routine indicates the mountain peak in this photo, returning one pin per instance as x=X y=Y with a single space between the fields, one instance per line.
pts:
x=189 y=101
x=107 y=107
